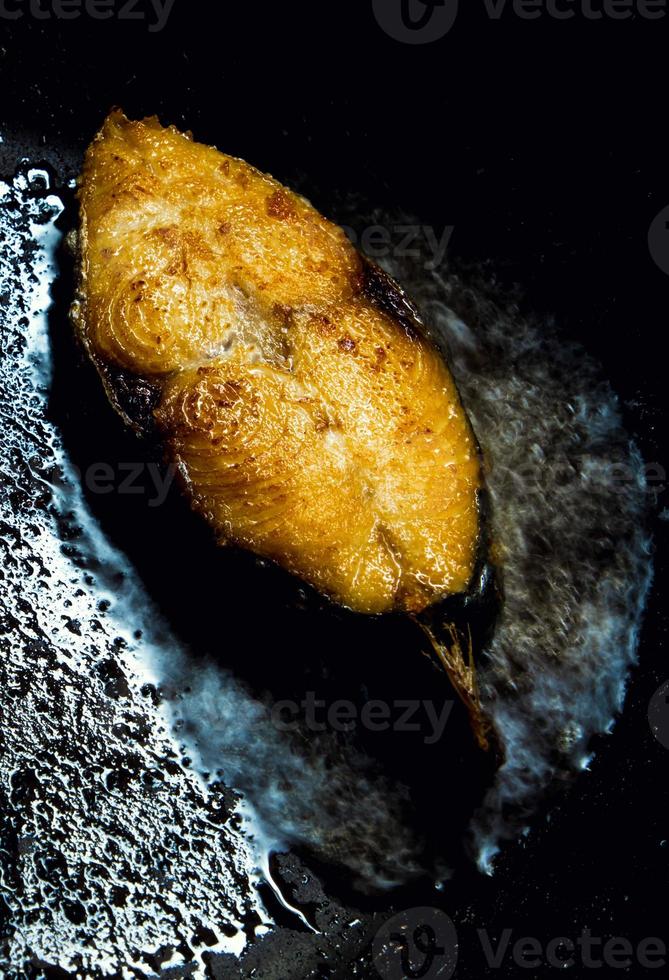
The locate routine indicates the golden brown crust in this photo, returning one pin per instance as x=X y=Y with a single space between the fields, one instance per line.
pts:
x=314 y=427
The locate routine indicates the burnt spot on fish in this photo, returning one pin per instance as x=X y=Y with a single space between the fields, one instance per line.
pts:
x=346 y=344
x=279 y=205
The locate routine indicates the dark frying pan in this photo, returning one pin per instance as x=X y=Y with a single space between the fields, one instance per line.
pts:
x=552 y=178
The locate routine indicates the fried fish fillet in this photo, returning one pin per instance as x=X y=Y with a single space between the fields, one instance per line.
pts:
x=311 y=418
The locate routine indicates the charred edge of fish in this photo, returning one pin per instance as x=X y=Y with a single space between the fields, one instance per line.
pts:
x=134 y=398
x=389 y=297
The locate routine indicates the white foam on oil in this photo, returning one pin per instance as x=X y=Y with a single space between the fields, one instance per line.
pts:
x=304 y=790
x=121 y=859
x=569 y=503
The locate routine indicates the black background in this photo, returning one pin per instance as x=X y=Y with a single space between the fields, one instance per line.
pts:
x=544 y=143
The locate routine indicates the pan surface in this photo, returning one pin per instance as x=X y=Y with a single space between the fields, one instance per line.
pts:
x=127 y=673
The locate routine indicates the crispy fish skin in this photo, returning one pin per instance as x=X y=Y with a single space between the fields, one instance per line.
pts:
x=313 y=421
